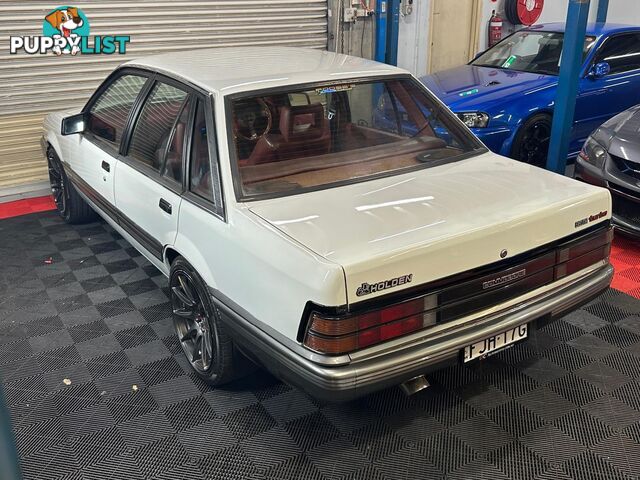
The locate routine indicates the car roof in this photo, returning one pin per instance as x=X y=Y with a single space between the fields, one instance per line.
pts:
x=597 y=29
x=231 y=70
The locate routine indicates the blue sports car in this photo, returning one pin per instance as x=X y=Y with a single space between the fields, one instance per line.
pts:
x=507 y=94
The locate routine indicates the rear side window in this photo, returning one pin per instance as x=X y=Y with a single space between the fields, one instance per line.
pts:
x=152 y=132
x=172 y=166
x=201 y=175
x=108 y=115
x=621 y=52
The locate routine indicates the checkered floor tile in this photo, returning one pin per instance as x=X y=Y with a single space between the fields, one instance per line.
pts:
x=97 y=388
x=26 y=206
x=625 y=256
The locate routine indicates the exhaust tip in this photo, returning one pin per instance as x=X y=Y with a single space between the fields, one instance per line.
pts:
x=415 y=385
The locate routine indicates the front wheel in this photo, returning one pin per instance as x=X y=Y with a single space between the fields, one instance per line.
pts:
x=531 y=144
x=203 y=338
x=69 y=204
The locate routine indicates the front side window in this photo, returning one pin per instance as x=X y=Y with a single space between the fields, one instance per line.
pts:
x=529 y=51
x=108 y=115
x=303 y=139
x=621 y=52
x=152 y=132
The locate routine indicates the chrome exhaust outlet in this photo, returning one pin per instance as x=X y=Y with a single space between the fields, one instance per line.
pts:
x=415 y=385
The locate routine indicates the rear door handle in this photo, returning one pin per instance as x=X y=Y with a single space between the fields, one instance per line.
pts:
x=164 y=205
x=105 y=166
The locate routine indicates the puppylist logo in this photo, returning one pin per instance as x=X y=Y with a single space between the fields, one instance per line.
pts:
x=65 y=30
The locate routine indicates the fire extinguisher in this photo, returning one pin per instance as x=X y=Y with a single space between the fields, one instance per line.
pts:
x=495 y=29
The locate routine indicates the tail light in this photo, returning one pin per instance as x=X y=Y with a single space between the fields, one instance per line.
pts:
x=583 y=253
x=336 y=335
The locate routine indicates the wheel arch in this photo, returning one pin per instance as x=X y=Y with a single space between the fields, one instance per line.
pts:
x=170 y=254
x=51 y=141
x=188 y=251
x=508 y=145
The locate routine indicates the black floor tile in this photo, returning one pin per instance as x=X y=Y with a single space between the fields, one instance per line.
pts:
x=98 y=388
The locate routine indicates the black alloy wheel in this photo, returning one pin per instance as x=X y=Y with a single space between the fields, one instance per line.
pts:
x=192 y=322
x=69 y=204
x=57 y=181
x=204 y=338
x=532 y=143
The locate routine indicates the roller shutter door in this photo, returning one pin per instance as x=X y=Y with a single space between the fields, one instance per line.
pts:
x=33 y=85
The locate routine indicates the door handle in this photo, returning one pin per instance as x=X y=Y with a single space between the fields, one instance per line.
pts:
x=164 y=205
x=105 y=166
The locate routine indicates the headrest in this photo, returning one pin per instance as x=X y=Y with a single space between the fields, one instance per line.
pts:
x=303 y=122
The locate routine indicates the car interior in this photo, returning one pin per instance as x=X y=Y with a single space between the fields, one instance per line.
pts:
x=308 y=138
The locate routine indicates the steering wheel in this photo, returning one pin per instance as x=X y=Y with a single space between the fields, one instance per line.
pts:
x=253 y=119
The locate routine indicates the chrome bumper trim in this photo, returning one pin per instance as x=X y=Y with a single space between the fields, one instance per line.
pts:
x=393 y=366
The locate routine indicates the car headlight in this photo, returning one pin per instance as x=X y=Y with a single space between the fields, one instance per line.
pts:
x=474 y=119
x=593 y=153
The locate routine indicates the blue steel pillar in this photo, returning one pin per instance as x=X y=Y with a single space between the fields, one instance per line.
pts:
x=603 y=10
x=393 y=30
x=381 y=31
x=564 y=110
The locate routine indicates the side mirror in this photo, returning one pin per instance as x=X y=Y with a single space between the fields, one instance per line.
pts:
x=600 y=70
x=73 y=124
x=478 y=55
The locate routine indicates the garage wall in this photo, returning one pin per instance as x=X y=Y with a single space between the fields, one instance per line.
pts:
x=620 y=11
x=32 y=85
x=413 y=47
x=413 y=38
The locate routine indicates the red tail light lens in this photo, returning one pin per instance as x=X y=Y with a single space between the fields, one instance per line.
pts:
x=342 y=335
x=335 y=335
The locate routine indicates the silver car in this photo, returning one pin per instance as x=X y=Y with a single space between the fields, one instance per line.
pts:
x=611 y=158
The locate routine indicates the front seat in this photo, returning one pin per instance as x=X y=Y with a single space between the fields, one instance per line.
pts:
x=304 y=131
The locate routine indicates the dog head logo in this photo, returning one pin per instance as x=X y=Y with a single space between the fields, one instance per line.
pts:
x=69 y=23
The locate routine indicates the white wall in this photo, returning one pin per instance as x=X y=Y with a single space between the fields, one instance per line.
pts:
x=413 y=38
x=620 y=11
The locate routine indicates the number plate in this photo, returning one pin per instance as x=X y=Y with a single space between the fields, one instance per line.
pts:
x=490 y=345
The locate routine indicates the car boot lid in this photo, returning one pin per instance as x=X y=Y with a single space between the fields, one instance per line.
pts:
x=429 y=224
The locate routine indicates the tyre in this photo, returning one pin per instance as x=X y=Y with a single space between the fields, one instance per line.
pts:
x=69 y=204
x=203 y=338
x=531 y=144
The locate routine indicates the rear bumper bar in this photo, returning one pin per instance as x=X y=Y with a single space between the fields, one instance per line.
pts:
x=427 y=352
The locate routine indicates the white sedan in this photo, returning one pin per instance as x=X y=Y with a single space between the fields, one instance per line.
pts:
x=325 y=216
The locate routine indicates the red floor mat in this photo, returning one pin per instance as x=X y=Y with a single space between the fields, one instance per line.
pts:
x=28 y=205
x=625 y=257
x=625 y=253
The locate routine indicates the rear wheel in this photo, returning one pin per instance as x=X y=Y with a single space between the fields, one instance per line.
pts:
x=203 y=338
x=69 y=204
x=531 y=144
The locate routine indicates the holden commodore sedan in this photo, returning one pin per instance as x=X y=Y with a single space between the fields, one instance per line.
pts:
x=299 y=230
x=508 y=93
